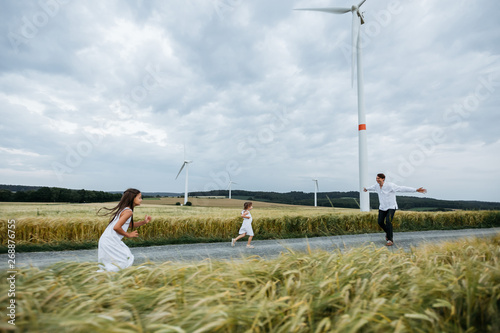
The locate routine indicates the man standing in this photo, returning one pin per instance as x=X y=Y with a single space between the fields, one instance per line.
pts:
x=387 y=197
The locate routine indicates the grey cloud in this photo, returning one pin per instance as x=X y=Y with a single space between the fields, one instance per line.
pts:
x=254 y=84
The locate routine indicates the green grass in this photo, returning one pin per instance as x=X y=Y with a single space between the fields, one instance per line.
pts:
x=453 y=287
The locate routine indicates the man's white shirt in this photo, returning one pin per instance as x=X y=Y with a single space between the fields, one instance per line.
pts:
x=387 y=194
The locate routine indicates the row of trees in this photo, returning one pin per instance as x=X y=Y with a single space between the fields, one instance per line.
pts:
x=351 y=200
x=327 y=199
x=56 y=194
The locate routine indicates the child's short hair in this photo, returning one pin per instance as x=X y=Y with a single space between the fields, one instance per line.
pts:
x=247 y=205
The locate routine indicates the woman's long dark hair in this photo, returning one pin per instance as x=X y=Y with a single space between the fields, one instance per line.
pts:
x=127 y=200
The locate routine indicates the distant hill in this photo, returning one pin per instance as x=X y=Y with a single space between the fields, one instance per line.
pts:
x=350 y=200
x=162 y=194
x=54 y=194
x=326 y=199
x=16 y=188
x=155 y=194
x=25 y=188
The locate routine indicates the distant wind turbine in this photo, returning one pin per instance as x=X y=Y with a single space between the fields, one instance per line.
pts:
x=316 y=188
x=229 y=185
x=357 y=21
x=185 y=164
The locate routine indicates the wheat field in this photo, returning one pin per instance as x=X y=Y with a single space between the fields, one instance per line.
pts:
x=162 y=207
x=78 y=223
x=453 y=287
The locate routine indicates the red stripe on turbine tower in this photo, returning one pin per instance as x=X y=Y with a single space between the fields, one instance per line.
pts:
x=362 y=127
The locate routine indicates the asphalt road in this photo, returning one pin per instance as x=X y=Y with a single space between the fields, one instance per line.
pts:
x=263 y=248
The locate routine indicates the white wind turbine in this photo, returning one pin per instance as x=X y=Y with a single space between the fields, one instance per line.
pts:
x=185 y=164
x=316 y=188
x=357 y=21
x=229 y=185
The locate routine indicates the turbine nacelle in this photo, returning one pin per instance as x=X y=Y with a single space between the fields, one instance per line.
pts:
x=182 y=167
x=229 y=185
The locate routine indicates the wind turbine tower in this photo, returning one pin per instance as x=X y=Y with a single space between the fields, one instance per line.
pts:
x=316 y=188
x=357 y=21
x=185 y=164
x=229 y=185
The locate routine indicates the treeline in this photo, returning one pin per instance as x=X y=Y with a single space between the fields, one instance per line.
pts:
x=351 y=200
x=56 y=194
x=11 y=193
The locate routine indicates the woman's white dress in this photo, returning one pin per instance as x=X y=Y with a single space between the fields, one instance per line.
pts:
x=112 y=253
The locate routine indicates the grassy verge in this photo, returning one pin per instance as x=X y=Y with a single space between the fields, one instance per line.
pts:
x=452 y=287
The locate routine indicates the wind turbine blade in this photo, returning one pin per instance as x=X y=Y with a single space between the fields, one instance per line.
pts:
x=362 y=2
x=328 y=10
x=182 y=167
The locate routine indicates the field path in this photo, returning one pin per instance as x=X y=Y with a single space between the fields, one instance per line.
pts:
x=263 y=248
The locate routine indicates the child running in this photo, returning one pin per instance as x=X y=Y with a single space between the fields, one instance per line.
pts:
x=112 y=253
x=246 y=227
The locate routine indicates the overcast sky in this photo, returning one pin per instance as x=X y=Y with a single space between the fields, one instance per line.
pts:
x=105 y=95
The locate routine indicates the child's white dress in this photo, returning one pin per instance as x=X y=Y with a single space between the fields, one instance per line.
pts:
x=112 y=253
x=247 y=225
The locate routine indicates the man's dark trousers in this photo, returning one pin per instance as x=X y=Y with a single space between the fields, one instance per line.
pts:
x=385 y=222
